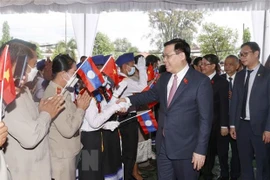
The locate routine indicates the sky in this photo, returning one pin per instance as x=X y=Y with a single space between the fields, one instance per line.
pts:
x=50 y=28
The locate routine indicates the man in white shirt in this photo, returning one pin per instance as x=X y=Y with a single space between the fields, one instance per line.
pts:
x=250 y=113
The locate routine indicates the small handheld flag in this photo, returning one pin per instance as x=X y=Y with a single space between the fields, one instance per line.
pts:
x=147 y=122
x=110 y=70
x=90 y=75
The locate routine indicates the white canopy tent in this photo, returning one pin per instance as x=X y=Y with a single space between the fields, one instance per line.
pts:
x=85 y=23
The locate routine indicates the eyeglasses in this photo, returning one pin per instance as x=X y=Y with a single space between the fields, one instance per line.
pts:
x=205 y=64
x=244 y=54
x=168 y=56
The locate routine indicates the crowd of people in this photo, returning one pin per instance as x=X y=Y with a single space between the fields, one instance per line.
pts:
x=57 y=129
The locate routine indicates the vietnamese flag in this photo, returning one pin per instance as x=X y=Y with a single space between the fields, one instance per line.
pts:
x=147 y=122
x=7 y=85
x=150 y=73
x=90 y=75
x=110 y=70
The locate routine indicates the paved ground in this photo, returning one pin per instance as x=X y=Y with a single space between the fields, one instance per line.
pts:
x=152 y=174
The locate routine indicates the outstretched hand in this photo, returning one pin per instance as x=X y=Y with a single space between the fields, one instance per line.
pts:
x=121 y=100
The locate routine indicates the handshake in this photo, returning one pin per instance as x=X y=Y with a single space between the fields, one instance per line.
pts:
x=120 y=105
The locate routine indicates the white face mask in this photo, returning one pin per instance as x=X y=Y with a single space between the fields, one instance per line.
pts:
x=132 y=71
x=32 y=74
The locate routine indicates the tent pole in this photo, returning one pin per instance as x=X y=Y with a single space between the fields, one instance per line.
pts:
x=84 y=36
x=264 y=34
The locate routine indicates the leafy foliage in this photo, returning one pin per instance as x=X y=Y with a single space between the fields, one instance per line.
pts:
x=173 y=24
x=217 y=40
x=63 y=48
x=5 y=33
x=246 y=35
x=103 y=45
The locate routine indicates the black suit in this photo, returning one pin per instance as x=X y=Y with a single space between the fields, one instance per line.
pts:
x=249 y=132
x=218 y=144
x=186 y=123
x=234 y=163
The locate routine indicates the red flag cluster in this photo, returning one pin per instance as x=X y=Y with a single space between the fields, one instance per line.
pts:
x=6 y=78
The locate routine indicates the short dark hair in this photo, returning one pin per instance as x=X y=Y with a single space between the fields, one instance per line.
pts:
x=197 y=60
x=182 y=45
x=16 y=50
x=233 y=57
x=62 y=62
x=253 y=46
x=83 y=57
x=151 y=59
x=26 y=43
x=213 y=59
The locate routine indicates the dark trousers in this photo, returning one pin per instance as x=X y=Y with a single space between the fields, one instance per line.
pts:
x=129 y=135
x=218 y=145
x=91 y=168
x=235 y=162
x=172 y=169
x=249 y=144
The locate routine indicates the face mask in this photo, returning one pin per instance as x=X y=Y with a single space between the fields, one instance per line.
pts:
x=132 y=71
x=32 y=74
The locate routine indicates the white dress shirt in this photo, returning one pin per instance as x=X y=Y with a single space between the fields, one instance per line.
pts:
x=180 y=75
x=233 y=77
x=250 y=84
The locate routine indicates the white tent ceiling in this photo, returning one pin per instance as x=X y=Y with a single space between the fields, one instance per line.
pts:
x=96 y=6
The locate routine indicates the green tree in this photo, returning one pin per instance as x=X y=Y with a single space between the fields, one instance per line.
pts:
x=5 y=33
x=103 y=45
x=123 y=46
x=246 y=35
x=38 y=50
x=173 y=24
x=63 y=48
x=217 y=40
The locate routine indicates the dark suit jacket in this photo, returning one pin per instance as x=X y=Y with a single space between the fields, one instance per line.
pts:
x=221 y=101
x=187 y=121
x=259 y=102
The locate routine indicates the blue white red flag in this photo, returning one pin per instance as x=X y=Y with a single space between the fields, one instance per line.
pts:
x=90 y=75
x=147 y=122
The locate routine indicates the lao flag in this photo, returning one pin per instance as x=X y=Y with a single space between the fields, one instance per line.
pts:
x=150 y=72
x=147 y=122
x=110 y=70
x=90 y=75
x=7 y=85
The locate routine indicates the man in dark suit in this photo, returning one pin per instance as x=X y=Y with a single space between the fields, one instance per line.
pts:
x=185 y=115
x=231 y=65
x=219 y=138
x=250 y=113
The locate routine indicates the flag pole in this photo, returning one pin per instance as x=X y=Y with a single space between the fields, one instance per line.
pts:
x=64 y=89
x=2 y=83
x=134 y=116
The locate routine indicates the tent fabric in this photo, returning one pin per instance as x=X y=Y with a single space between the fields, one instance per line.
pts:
x=97 y=6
